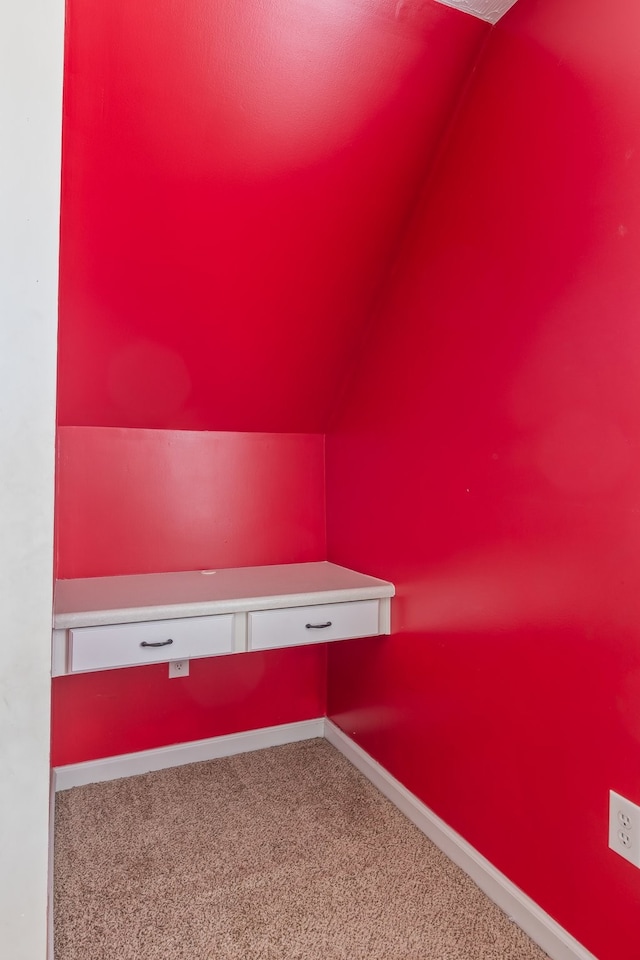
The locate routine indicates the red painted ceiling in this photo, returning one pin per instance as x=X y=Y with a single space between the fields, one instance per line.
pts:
x=236 y=178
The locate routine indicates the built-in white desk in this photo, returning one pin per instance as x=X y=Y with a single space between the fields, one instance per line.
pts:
x=101 y=623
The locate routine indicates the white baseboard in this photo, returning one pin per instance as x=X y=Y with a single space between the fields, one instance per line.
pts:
x=131 y=764
x=520 y=908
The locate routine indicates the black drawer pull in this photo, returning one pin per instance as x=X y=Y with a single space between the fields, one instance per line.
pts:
x=160 y=643
x=317 y=626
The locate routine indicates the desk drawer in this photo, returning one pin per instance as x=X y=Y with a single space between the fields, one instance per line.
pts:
x=152 y=641
x=312 y=624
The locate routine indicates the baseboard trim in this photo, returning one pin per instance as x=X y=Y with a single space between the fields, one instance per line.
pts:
x=520 y=908
x=131 y=764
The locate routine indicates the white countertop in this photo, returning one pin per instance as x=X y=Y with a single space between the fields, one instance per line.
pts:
x=160 y=596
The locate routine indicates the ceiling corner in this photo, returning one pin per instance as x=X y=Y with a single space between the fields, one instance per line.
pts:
x=489 y=10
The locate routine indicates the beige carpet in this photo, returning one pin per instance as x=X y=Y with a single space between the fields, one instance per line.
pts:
x=283 y=854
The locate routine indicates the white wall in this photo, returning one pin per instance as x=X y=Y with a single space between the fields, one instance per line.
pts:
x=31 y=44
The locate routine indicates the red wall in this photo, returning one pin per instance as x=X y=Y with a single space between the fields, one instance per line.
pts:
x=146 y=501
x=487 y=460
x=139 y=501
x=235 y=178
x=120 y=711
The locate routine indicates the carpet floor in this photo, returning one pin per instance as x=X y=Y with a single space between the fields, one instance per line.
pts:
x=283 y=854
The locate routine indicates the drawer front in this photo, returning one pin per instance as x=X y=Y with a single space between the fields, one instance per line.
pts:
x=127 y=644
x=313 y=624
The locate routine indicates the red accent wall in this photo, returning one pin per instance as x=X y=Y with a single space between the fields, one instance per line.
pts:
x=147 y=501
x=235 y=179
x=487 y=460
x=111 y=712
x=140 y=501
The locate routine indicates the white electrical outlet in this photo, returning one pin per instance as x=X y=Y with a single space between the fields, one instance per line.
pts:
x=624 y=828
x=178 y=668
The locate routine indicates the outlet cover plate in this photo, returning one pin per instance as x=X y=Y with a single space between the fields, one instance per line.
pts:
x=178 y=668
x=624 y=827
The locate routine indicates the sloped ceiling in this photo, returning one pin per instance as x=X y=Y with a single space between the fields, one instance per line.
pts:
x=489 y=10
x=236 y=178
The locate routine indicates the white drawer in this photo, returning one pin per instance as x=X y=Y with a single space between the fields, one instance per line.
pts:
x=153 y=641
x=313 y=624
